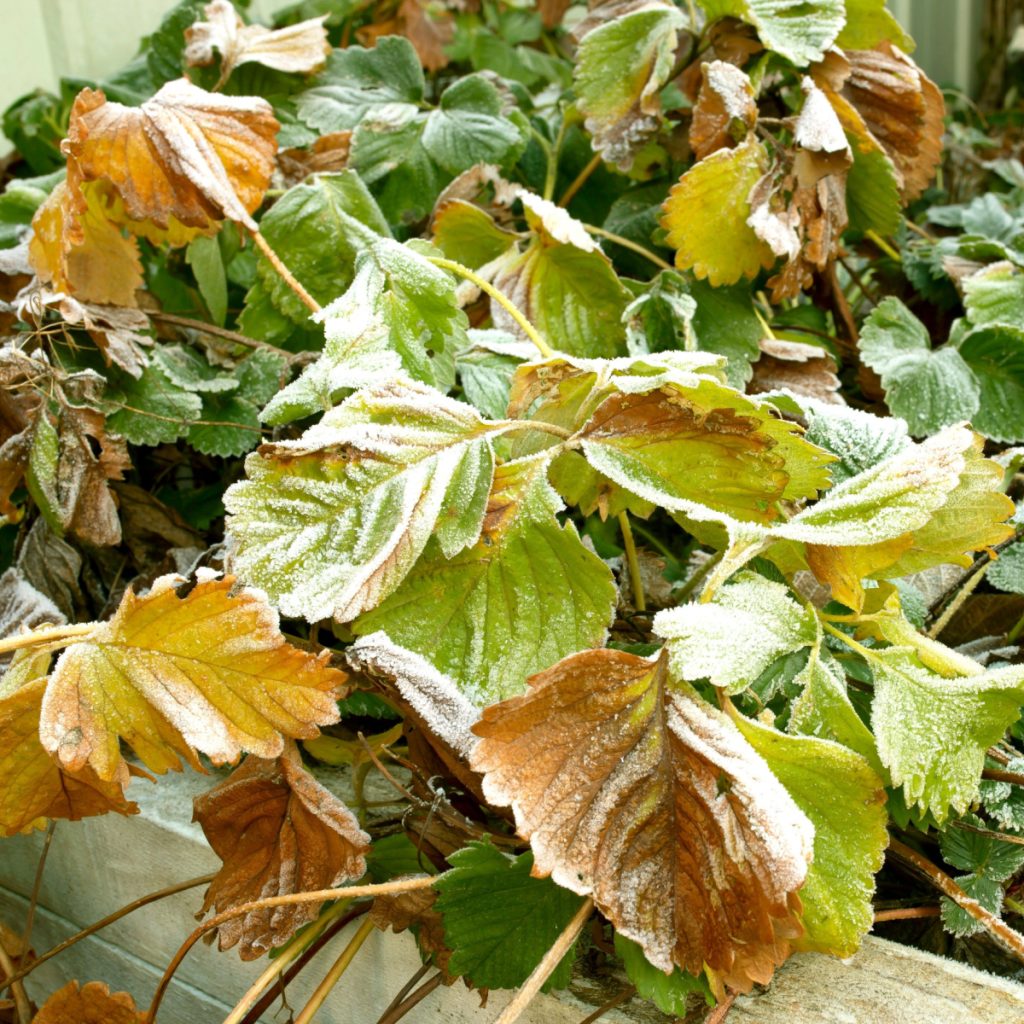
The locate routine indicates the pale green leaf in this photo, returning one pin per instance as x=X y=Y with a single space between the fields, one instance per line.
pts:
x=1007 y=571
x=995 y=295
x=485 y=370
x=799 y=30
x=988 y=893
x=189 y=370
x=968 y=850
x=928 y=388
x=870 y=22
x=203 y=256
x=995 y=355
x=669 y=992
x=150 y=410
x=214 y=434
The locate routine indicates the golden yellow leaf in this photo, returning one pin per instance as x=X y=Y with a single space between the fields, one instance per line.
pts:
x=92 y=1003
x=634 y=790
x=209 y=672
x=278 y=831
x=35 y=787
x=176 y=166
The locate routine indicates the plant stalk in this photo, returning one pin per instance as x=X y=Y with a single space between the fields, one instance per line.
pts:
x=284 y=273
x=580 y=180
x=632 y=563
x=45 y=636
x=22 y=1007
x=338 y=968
x=627 y=243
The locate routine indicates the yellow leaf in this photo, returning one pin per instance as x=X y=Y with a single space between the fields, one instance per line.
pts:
x=209 y=672
x=335 y=751
x=92 y=1003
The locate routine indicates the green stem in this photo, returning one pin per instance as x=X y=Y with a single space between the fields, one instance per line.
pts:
x=863 y=651
x=1016 y=631
x=632 y=562
x=580 y=180
x=627 y=244
x=554 y=153
x=338 y=968
x=882 y=244
x=970 y=585
x=499 y=297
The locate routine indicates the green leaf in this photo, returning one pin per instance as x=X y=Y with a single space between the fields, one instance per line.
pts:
x=260 y=376
x=35 y=124
x=661 y=317
x=190 y=371
x=799 y=30
x=868 y=23
x=985 y=855
x=151 y=410
x=725 y=323
x=331 y=523
x=844 y=798
x=318 y=229
x=468 y=127
x=499 y=920
x=1007 y=571
x=987 y=891
x=621 y=65
x=872 y=188
x=1005 y=801
x=995 y=355
x=385 y=82
x=203 y=256
x=994 y=295
x=706 y=216
x=525 y=595
x=395 y=855
x=669 y=992
x=214 y=436
x=41 y=472
x=858 y=439
x=929 y=388
x=732 y=639
x=165 y=48
x=932 y=732
x=485 y=370
x=19 y=202
x=465 y=233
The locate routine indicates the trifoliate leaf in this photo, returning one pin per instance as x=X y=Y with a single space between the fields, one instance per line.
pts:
x=499 y=920
x=661 y=318
x=868 y=23
x=987 y=892
x=209 y=672
x=995 y=355
x=928 y=388
x=318 y=229
x=626 y=786
x=1007 y=571
x=150 y=410
x=385 y=81
x=799 y=31
x=706 y=216
x=969 y=850
x=669 y=992
x=932 y=732
x=526 y=594
x=331 y=523
x=995 y=295
x=622 y=63
x=732 y=639
x=844 y=799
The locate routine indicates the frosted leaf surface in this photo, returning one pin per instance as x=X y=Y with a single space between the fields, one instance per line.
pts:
x=209 y=672
x=555 y=221
x=331 y=523
x=726 y=108
x=642 y=795
x=734 y=638
x=22 y=606
x=818 y=127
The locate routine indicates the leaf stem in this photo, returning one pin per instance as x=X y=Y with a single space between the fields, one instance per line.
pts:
x=503 y=300
x=45 y=636
x=882 y=244
x=30 y=918
x=995 y=926
x=554 y=154
x=580 y=180
x=552 y=958
x=628 y=244
x=995 y=775
x=285 y=274
x=906 y=914
x=396 y=1012
x=219 y=332
x=22 y=1007
x=632 y=563
x=404 y=991
x=338 y=968
x=348 y=892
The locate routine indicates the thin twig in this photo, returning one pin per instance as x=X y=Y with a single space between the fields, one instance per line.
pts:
x=627 y=243
x=906 y=914
x=995 y=926
x=991 y=833
x=218 y=332
x=396 y=1013
x=349 y=892
x=632 y=563
x=22 y=1007
x=552 y=958
x=57 y=634
x=997 y=775
x=580 y=180
x=721 y=1011
x=30 y=918
x=284 y=273
x=404 y=991
x=337 y=969
x=623 y=997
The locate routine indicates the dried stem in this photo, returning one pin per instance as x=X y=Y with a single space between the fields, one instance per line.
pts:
x=623 y=997
x=580 y=180
x=996 y=775
x=30 y=918
x=285 y=274
x=552 y=958
x=632 y=563
x=906 y=914
x=404 y=991
x=45 y=636
x=22 y=1007
x=218 y=332
x=995 y=926
x=721 y=1011
x=395 y=1013
x=499 y=297
x=349 y=892
x=338 y=968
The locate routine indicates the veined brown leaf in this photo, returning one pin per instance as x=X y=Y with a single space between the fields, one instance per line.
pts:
x=91 y=1003
x=725 y=110
x=278 y=831
x=632 y=789
x=209 y=672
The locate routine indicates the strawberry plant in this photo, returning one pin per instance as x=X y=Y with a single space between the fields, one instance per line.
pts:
x=595 y=422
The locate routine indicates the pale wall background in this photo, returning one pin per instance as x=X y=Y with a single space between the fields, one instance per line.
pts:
x=44 y=39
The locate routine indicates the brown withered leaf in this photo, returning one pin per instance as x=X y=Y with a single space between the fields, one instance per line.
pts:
x=902 y=109
x=327 y=154
x=800 y=368
x=552 y=11
x=632 y=789
x=175 y=166
x=35 y=787
x=78 y=251
x=725 y=111
x=415 y=910
x=22 y=606
x=430 y=29
x=278 y=831
x=116 y=330
x=92 y=1003
x=300 y=48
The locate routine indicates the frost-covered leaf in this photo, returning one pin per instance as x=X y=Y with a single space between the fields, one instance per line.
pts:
x=228 y=426
x=995 y=295
x=1004 y=801
x=929 y=388
x=278 y=831
x=625 y=786
x=669 y=992
x=988 y=893
x=706 y=216
x=91 y=1003
x=36 y=787
x=844 y=799
x=318 y=229
x=995 y=355
x=625 y=55
x=798 y=30
x=485 y=370
x=1007 y=571
x=299 y=48
x=526 y=594
x=149 y=410
x=385 y=82
x=725 y=110
x=870 y=22
x=798 y=368
x=22 y=606
x=932 y=732
x=499 y=920
x=732 y=639
x=185 y=368
x=969 y=850
x=331 y=523
x=209 y=672
x=178 y=164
